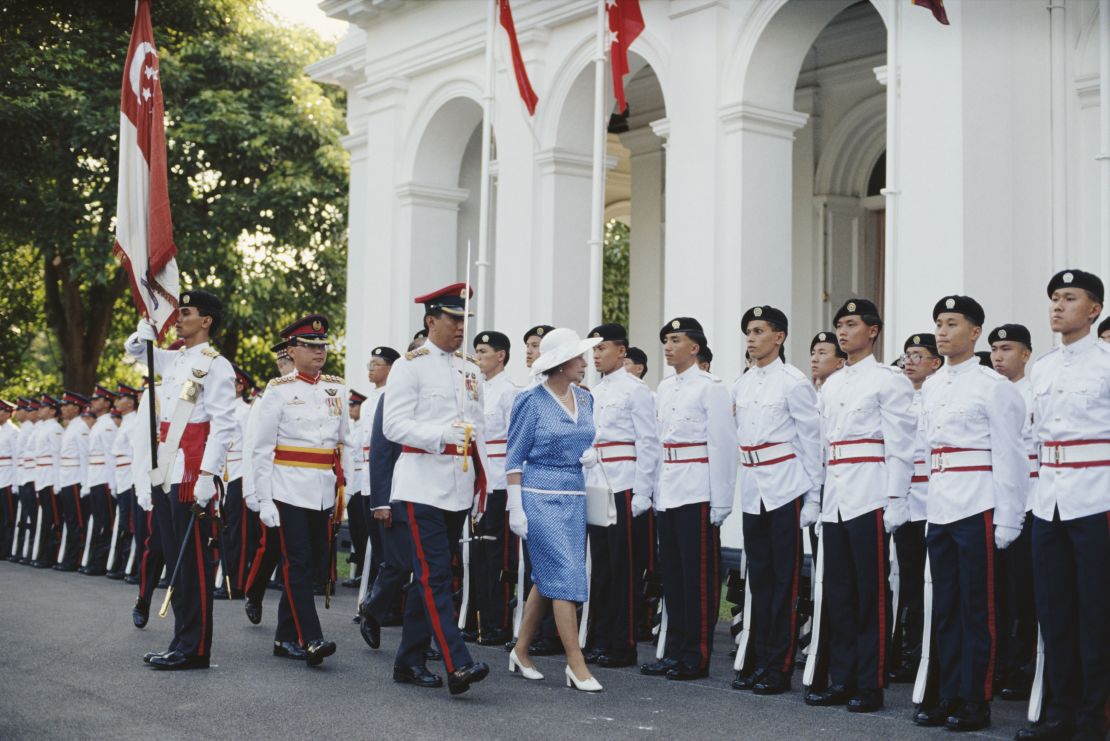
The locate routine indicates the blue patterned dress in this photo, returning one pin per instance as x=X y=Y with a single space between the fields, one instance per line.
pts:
x=545 y=443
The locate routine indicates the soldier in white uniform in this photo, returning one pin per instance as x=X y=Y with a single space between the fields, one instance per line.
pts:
x=357 y=514
x=1071 y=513
x=9 y=475
x=100 y=486
x=626 y=444
x=868 y=433
x=825 y=358
x=378 y=368
x=977 y=487
x=48 y=446
x=27 y=416
x=778 y=432
x=693 y=497
x=198 y=404
x=636 y=362
x=72 y=472
x=300 y=455
x=127 y=401
x=434 y=410
x=237 y=544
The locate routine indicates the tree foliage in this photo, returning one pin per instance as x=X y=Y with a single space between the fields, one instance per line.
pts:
x=257 y=179
x=615 y=273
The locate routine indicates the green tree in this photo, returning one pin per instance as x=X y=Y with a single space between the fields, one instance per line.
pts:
x=614 y=275
x=257 y=177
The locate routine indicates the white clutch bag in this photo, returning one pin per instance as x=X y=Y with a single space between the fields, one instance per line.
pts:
x=601 y=508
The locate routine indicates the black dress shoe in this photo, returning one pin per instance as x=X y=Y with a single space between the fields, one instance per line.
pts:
x=140 y=613
x=318 y=650
x=276 y=584
x=545 y=647
x=772 y=683
x=177 y=661
x=866 y=701
x=469 y=636
x=152 y=654
x=1055 y=730
x=591 y=655
x=219 y=593
x=114 y=575
x=60 y=567
x=13 y=559
x=973 y=716
x=934 y=716
x=254 y=611
x=682 y=672
x=659 y=668
x=289 y=650
x=371 y=631
x=905 y=673
x=418 y=675
x=41 y=564
x=1017 y=688
x=351 y=583
x=617 y=659
x=494 y=638
x=838 y=694
x=431 y=654
x=747 y=680
x=99 y=571
x=459 y=681
x=130 y=579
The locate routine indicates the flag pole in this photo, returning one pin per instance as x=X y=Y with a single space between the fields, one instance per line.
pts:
x=483 y=188
x=597 y=196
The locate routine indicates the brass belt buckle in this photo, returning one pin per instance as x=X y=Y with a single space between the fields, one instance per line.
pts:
x=940 y=462
x=1058 y=454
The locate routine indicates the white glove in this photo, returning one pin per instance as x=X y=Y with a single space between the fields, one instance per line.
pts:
x=267 y=512
x=641 y=503
x=811 y=512
x=589 y=458
x=454 y=435
x=144 y=500
x=718 y=515
x=205 y=490
x=145 y=331
x=1004 y=536
x=252 y=503
x=518 y=522
x=897 y=514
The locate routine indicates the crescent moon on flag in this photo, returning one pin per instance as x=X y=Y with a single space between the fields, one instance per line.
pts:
x=136 y=71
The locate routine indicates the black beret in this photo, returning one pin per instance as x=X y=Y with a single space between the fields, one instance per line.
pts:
x=609 y=332
x=984 y=358
x=826 y=336
x=1077 y=279
x=685 y=324
x=769 y=314
x=965 y=305
x=202 y=301
x=388 y=354
x=922 y=339
x=538 y=331
x=637 y=356
x=496 y=340
x=420 y=333
x=860 y=307
x=1013 y=332
x=1104 y=325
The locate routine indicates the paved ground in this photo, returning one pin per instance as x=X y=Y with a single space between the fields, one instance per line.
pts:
x=70 y=667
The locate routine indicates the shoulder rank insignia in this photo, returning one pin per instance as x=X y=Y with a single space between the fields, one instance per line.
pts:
x=418 y=352
x=331 y=379
x=281 y=379
x=464 y=356
x=210 y=352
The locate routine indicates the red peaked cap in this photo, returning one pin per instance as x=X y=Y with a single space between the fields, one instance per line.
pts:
x=308 y=330
x=450 y=299
x=72 y=397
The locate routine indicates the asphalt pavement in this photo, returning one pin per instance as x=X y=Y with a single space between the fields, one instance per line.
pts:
x=71 y=668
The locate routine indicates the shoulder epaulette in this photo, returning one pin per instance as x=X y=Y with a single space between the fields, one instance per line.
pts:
x=331 y=379
x=210 y=352
x=418 y=352
x=282 y=379
x=795 y=373
x=464 y=356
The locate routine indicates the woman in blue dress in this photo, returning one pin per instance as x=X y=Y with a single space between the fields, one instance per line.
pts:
x=551 y=431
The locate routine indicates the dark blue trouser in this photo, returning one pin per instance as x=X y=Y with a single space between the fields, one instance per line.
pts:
x=392 y=580
x=616 y=604
x=7 y=520
x=76 y=514
x=234 y=519
x=1017 y=611
x=265 y=560
x=435 y=534
x=857 y=600
x=192 y=595
x=690 y=550
x=488 y=558
x=125 y=527
x=909 y=541
x=357 y=524
x=50 y=525
x=773 y=545
x=100 y=506
x=1071 y=570
x=965 y=613
x=150 y=558
x=25 y=532
x=304 y=538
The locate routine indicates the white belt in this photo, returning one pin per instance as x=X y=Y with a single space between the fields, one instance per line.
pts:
x=920 y=472
x=961 y=460
x=857 y=451
x=614 y=452
x=497 y=448
x=765 y=455
x=1075 y=453
x=96 y=460
x=232 y=459
x=685 y=453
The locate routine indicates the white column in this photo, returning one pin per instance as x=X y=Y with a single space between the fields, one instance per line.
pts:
x=428 y=220
x=358 y=341
x=1058 y=63
x=891 y=341
x=1104 y=135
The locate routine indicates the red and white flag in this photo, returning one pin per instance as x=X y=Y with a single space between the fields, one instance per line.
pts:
x=523 y=84
x=144 y=231
x=625 y=24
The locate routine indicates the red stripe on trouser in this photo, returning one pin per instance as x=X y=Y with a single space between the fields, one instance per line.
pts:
x=54 y=506
x=631 y=638
x=992 y=629
x=146 y=553
x=796 y=573
x=881 y=598
x=288 y=587
x=77 y=504
x=703 y=568
x=256 y=562
x=242 y=546
x=202 y=581
x=429 y=599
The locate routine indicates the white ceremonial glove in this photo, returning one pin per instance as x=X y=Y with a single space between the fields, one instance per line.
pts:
x=205 y=490
x=454 y=435
x=589 y=458
x=641 y=503
x=897 y=514
x=518 y=522
x=145 y=331
x=811 y=512
x=718 y=515
x=85 y=491
x=144 y=500
x=268 y=513
x=1004 y=536
x=252 y=503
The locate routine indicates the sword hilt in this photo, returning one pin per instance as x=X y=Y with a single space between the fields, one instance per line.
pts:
x=165 y=609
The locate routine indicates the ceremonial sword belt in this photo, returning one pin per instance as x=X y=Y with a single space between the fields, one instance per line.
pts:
x=1075 y=453
x=765 y=454
x=447 y=450
x=864 y=450
x=615 y=451
x=496 y=448
x=685 y=452
x=297 y=457
x=122 y=462
x=920 y=472
x=960 y=460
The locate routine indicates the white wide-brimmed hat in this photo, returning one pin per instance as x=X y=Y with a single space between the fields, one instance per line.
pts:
x=558 y=346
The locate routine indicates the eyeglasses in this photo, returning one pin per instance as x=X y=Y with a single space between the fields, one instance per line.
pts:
x=915 y=358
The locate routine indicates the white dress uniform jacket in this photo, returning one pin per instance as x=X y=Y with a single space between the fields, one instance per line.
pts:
x=919 y=484
x=497 y=398
x=101 y=466
x=25 y=449
x=866 y=401
x=302 y=416
x=73 y=463
x=367 y=420
x=1071 y=393
x=1025 y=388
x=693 y=408
x=48 y=453
x=235 y=452
x=9 y=455
x=969 y=407
x=778 y=431
x=121 y=452
x=356 y=433
x=624 y=412
x=215 y=405
x=429 y=390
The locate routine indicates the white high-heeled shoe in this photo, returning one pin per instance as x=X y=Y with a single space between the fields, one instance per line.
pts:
x=528 y=672
x=586 y=685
